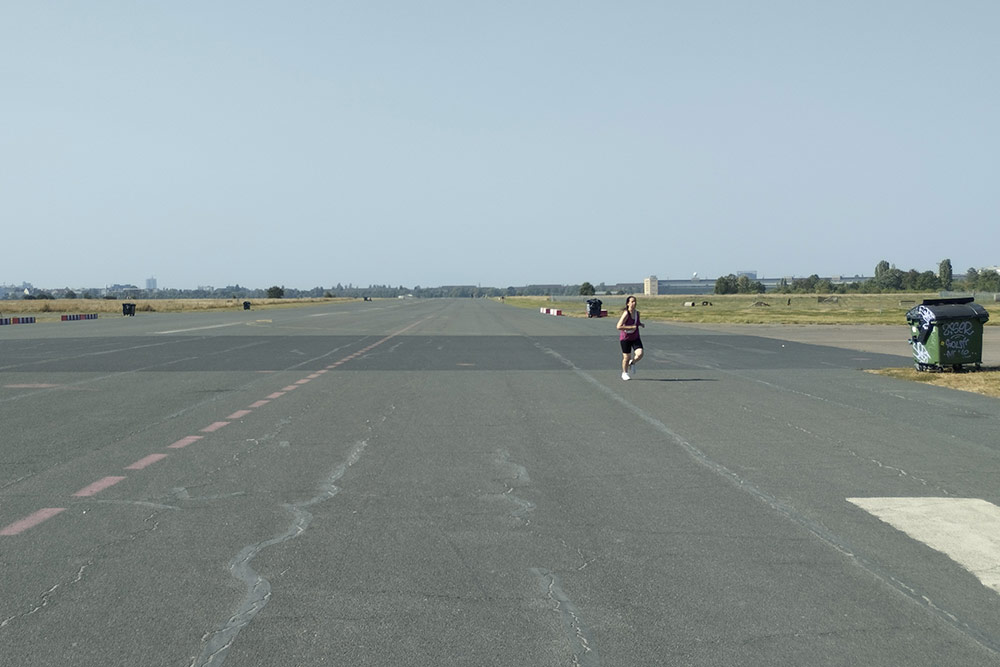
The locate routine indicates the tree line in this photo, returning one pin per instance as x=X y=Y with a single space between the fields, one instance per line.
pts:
x=282 y=292
x=887 y=279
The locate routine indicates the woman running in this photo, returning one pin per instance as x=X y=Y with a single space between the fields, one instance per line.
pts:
x=628 y=335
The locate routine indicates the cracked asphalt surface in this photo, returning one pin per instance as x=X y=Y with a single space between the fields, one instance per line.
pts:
x=459 y=482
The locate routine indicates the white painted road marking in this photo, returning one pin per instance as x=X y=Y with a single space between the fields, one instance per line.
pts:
x=967 y=530
x=211 y=326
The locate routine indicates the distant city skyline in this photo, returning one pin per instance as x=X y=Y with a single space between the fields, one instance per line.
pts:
x=152 y=284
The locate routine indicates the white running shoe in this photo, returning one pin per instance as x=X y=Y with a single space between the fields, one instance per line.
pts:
x=625 y=376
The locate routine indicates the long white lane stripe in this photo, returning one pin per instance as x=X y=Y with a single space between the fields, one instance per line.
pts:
x=211 y=326
x=967 y=530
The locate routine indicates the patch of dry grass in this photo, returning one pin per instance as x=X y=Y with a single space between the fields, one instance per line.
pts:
x=750 y=308
x=54 y=309
x=985 y=381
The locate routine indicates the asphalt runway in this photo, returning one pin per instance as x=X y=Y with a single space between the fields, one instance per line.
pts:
x=460 y=482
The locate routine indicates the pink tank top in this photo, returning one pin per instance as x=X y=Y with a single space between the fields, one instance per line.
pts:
x=629 y=335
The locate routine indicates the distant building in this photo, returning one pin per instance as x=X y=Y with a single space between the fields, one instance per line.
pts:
x=651 y=286
x=151 y=283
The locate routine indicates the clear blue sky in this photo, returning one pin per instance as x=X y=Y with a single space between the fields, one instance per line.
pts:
x=495 y=143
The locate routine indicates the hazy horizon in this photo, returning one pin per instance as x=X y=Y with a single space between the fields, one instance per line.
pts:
x=706 y=279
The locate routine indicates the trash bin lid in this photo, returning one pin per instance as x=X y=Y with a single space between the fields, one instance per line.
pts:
x=940 y=312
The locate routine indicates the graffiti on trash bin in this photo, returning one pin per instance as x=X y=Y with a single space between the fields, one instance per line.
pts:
x=956 y=337
x=922 y=326
x=920 y=353
x=957 y=329
x=926 y=316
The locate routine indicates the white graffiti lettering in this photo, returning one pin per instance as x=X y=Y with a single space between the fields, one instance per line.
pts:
x=926 y=316
x=957 y=328
x=956 y=339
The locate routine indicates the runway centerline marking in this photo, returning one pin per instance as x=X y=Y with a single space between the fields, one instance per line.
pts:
x=143 y=462
x=31 y=520
x=98 y=486
x=184 y=442
x=214 y=426
x=43 y=514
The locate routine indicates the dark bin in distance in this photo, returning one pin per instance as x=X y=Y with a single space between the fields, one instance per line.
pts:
x=128 y=309
x=246 y=305
x=947 y=332
x=593 y=307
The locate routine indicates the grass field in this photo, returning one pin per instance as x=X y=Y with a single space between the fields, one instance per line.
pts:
x=53 y=309
x=750 y=308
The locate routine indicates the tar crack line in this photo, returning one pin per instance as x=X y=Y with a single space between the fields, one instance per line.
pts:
x=45 y=598
x=258 y=589
x=520 y=478
x=584 y=651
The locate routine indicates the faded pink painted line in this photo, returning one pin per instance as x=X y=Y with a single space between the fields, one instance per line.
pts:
x=365 y=350
x=98 y=486
x=184 y=442
x=303 y=381
x=101 y=484
x=31 y=520
x=143 y=462
x=239 y=414
x=215 y=426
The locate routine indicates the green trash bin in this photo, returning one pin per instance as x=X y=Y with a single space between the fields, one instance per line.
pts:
x=947 y=332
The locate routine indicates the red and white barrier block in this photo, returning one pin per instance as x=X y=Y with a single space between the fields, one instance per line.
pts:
x=550 y=311
x=17 y=320
x=79 y=316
